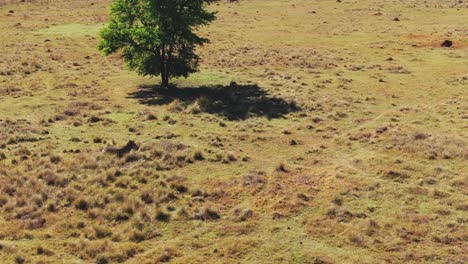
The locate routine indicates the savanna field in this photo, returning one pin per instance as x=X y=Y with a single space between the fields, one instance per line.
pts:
x=317 y=131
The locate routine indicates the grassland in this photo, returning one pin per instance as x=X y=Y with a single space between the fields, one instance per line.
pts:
x=315 y=132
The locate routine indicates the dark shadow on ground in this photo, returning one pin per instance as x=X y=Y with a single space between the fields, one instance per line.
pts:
x=234 y=102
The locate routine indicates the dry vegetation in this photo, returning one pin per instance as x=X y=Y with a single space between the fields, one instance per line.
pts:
x=316 y=132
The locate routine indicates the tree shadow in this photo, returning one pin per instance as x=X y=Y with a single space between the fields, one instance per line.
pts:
x=234 y=102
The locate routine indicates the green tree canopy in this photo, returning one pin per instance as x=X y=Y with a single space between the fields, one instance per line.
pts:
x=157 y=36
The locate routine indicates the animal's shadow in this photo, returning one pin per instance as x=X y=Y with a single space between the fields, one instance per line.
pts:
x=234 y=102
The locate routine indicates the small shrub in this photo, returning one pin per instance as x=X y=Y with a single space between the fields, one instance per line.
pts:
x=165 y=258
x=420 y=136
x=183 y=214
x=162 y=216
x=51 y=207
x=19 y=260
x=3 y=200
x=53 y=179
x=71 y=112
x=150 y=117
x=132 y=157
x=94 y=119
x=101 y=232
x=180 y=188
x=147 y=197
x=138 y=236
x=55 y=159
x=82 y=204
x=338 y=201
x=198 y=155
x=102 y=259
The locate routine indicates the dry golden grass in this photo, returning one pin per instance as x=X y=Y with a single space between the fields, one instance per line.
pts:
x=316 y=132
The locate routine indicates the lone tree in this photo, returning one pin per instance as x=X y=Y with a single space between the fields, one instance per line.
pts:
x=157 y=36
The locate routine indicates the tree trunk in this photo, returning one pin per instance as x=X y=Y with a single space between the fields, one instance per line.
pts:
x=162 y=61
x=164 y=81
x=168 y=64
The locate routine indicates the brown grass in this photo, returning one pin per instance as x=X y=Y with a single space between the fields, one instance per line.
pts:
x=321 y=132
